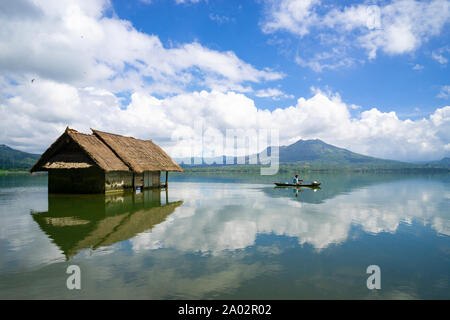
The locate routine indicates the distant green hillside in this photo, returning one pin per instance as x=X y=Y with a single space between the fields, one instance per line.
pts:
x=443 y=163
x=11 y=159
x=303 y=155
x=316 y=154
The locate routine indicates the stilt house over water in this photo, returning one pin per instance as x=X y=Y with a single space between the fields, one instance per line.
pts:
x=103 y=162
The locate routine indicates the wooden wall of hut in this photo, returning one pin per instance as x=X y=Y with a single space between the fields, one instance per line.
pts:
x=118 y=180
x=86 y=180
x=138 y=180
x=152 y=179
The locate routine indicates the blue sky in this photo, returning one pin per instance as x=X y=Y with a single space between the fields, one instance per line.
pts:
x=370 y=76
x=388 y=82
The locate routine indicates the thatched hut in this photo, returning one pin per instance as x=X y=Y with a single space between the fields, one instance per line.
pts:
x=103 y=162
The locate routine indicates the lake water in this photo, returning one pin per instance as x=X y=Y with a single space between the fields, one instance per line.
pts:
x=234 y=237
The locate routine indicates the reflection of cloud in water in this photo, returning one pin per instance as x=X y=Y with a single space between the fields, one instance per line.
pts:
x=19 y=234
x=229 y=217
x=172 y=276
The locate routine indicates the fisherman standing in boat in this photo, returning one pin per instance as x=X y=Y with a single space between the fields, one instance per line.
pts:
x=296 y=180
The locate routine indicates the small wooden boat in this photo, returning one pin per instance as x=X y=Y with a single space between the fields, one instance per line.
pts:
x=311 y=185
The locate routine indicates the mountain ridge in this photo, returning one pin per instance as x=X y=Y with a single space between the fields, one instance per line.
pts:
x=444 y=162
x=13 y=159
x=310 y=153
x=313 y=153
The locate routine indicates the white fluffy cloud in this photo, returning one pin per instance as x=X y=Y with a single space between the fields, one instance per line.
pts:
x=187 y=1
x=77 y=42
x=439 y=58
x=397 y=27
x=444 y=93
x=296 y=16
x=243 y=216
x=69 y=64
x=34 y=114
x=273 y=93
x=331 y=60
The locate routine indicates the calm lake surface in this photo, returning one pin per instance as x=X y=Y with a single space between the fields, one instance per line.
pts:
x=234 y=237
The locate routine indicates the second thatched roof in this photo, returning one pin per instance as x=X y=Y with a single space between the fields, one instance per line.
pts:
x=110 y=152
x=139 y=155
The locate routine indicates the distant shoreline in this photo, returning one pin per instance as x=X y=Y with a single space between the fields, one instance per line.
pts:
x=299 y=169
x=254 y=169
x=15 y=172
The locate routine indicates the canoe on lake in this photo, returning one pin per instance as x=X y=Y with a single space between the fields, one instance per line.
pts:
x=283 y=184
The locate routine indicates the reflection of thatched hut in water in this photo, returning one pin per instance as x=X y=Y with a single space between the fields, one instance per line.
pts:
x=91 y=221
x=103 y=162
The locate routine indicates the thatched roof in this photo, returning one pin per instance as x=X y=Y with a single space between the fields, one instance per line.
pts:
x=108 y=151
x=139 y=155
x=78 y=150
